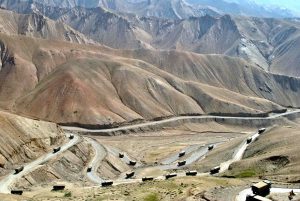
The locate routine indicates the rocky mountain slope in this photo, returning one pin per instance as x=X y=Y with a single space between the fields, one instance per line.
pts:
x=172 y=9
x=266 y=43
x=94 y=85
x=23 y=140
x=39 y=26
x=270 y=44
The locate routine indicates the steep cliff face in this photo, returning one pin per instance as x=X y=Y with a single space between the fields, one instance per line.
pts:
x=67 y=167
x=104 y=27
x=37 y=25
x=23 y=140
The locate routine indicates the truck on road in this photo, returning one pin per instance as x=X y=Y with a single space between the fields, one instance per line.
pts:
x=107 y=183
x=215 y=170
x=182 y=153
x=18 y=170
x=181 y=163
x=168 y=176
x=55 y=150
x=261 y=188
x=129 y=175
x=210 y=147
x=261 y=130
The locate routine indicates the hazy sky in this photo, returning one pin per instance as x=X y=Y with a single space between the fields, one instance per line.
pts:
x=290 y=4
x=294 y=4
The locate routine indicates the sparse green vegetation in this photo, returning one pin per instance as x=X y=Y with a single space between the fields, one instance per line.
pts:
x=246 y=173
x=151 y=197
x=68 y=194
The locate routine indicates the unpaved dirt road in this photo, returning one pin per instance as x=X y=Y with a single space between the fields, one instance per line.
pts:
x=197 y=155
x=172 y=119
x=99 y=154
x=7 y=182
x=238 y=154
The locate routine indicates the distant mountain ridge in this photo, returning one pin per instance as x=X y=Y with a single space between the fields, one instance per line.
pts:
x=270 y=44
x=245 y=8
x=172 y=9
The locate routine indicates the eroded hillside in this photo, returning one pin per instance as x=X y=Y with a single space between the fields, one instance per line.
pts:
x=39 y=26
x=23 y=140
x=94 y=85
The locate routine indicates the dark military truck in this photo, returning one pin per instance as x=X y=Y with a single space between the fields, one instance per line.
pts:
x=121 y=155
x=55 y=150
x=132 y=163
x=261 y=130
x=18 y=170
x=249 y=140
x=89 y=169
x=168 y=176
x=58 y=187
x=181 y=163
x=107 y=183
x=191 y=173
x=211 y=147
x=129 y=175
x=215 y=170
x=261 y=188
x=181 y=154
x=16 y=192
x=71 y=137
x=147 y=178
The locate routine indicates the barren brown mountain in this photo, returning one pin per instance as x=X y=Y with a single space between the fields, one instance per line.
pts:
x=151 y=60
x=88 y=84
x=266 y=43
x=39 y=26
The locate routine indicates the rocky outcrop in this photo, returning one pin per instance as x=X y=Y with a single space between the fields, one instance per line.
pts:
x=37 y=25
x=70 y=166
x=23 y=140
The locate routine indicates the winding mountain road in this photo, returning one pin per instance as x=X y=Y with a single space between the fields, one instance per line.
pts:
x=238 y=154
x=7 y=182
x=172 y=119
x=200 y=153
x=126 y=159
x=100 y=154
